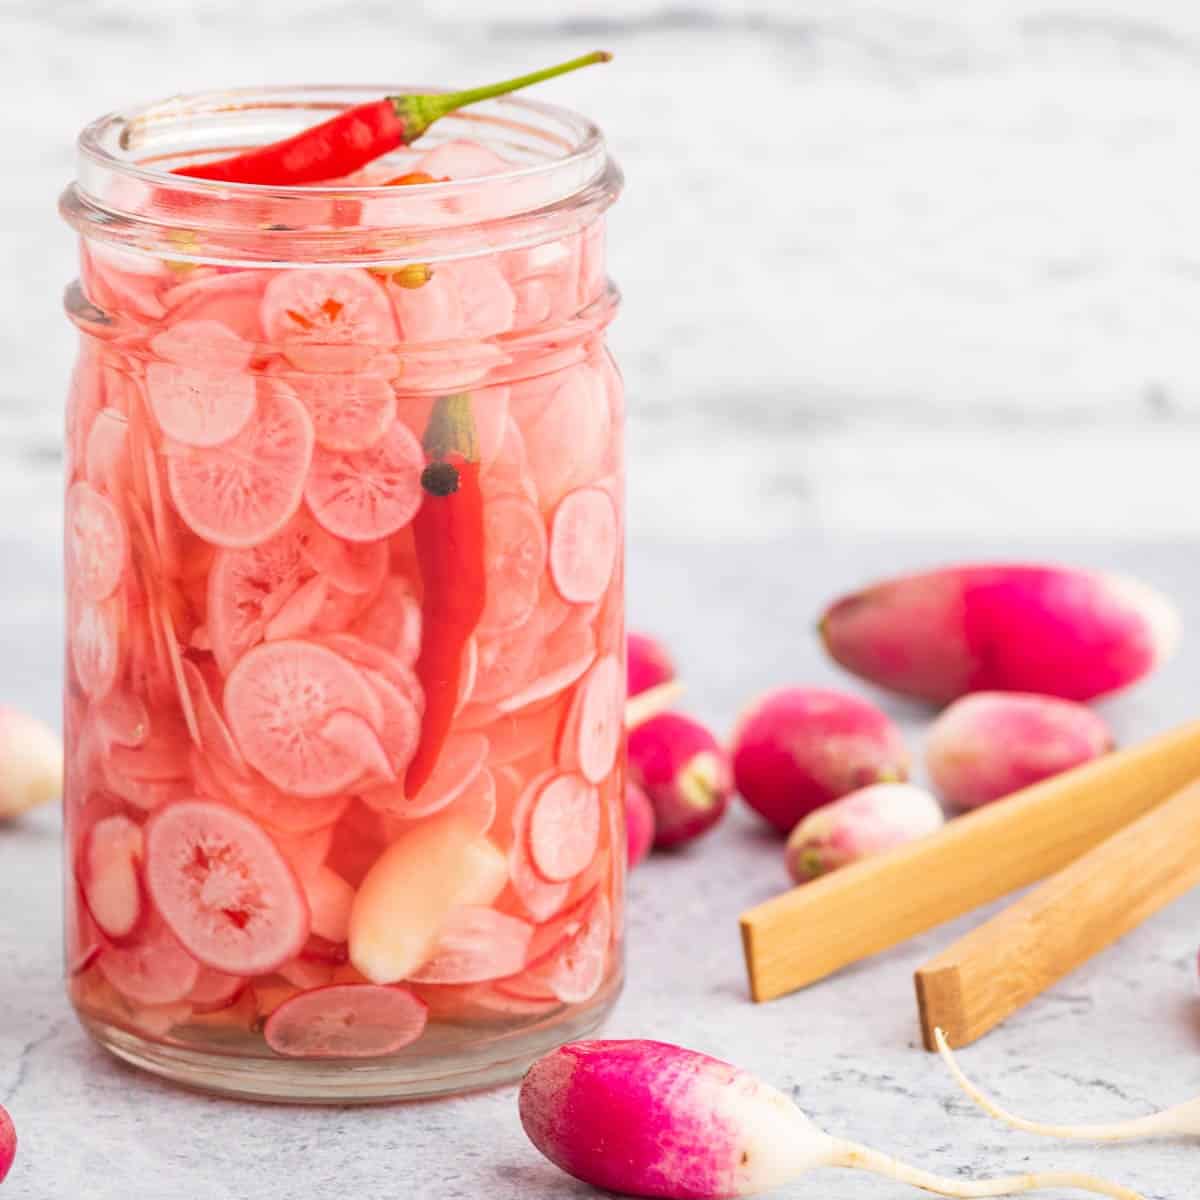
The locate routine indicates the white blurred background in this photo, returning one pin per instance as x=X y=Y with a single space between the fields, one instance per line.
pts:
x=913 y=267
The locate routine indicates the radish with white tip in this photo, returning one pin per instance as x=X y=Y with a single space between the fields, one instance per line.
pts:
x=1182 y=1119
x=646 y=1118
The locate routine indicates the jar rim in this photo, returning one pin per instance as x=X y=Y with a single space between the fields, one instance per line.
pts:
x=126 y=193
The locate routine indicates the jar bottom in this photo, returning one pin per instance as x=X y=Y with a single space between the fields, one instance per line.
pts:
x=458 y=1058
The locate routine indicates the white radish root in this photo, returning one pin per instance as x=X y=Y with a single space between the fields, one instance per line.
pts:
x=1181 y=1119
x=641 y=708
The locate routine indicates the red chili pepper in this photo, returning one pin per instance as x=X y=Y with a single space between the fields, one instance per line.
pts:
x=355 y=137
x=448 y=532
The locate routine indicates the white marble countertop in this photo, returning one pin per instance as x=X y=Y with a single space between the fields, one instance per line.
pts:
x=1119 y=1037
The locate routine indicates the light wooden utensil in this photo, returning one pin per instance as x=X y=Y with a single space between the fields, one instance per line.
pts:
x=807 y=933
x=1008 y=960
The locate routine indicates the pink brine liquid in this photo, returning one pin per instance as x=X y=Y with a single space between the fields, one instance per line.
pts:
x=248 y=872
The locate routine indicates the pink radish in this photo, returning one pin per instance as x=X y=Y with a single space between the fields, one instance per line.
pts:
x=109 y=874
x=989 y=744
x=799 y=748
x=280 y=699
x=476 y=944
x=349 y=412
x=153 y=969
x=645 y=1118
x=346 y=1020
x=592 y=733
x=564 y=827
x=684 y=772
x=866 y=822
x=1180 y=1120
x=31 y=762
x=369 y=494
x=583 y=545
x=8 y=1143
x=198 y=406
x=515 y=550
x=649 y=664
x=639 y=823
x=97 y=545
x=1053 y=630
x=245 y=491
x=223 y=888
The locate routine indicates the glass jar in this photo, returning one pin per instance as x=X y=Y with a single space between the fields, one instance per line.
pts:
x=344 y=551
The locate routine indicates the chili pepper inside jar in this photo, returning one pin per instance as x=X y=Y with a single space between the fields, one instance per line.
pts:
x=344 y=549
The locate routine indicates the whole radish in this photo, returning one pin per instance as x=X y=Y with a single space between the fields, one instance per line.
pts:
x=866 y=822
x=649 y=663
x=8 y=1143
x=1062 y=632
x=990 y=744
x=31 y=762
x=639 y=823
x=797 y=749
x=684 y=773
x=1181 y=1120
x=645 y=1118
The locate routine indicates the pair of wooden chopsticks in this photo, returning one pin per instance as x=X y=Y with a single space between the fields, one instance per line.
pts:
x=1119 y=838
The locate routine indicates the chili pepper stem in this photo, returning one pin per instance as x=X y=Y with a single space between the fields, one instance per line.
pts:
x=418 y=112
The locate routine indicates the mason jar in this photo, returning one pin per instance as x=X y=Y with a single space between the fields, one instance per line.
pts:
x=345 y=631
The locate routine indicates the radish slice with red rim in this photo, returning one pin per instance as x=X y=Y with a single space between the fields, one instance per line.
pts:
x=97 y=544
x=109 y=875
x=154 y=969
x=564 y=827
x=198 y=406
x=592 y=734
x=346 y=1020
x=540 y=898
x=583 y=545
x=476 y=944
x=514 y=541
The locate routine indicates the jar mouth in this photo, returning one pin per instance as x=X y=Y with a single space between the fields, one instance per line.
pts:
x=126 y=194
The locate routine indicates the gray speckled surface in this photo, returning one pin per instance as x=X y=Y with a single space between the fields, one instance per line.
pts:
x=1120 y=1036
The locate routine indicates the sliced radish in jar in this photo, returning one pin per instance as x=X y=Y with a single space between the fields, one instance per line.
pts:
x=564 y=827
x=232 y=299
x=505 y=664
x=97 y=543
x=155 y=969
x=583 y=545
x=122 y=718
x=215 y=737
x=198 y=406
x=357 y=567
x=306 y=852
x=208 y=345
x=214 y=990
x=514 y=540
x=592 y=735
x=346 y=1020
x=223 y=888
x=106 y=461
x=279 y=700
x=358 y=739
x=475 y=945
x=328 y=319
x=460 y=762
x=575 y=973
x=95 y=639
x=108 y=869
x=300 y=612
x=369 y=494
x=330 y=899
x=243 y=492
x=541 y=898
x=401 y=721
x=373 y=659
x=568 y=655
x=393 y=621
x=349 y=412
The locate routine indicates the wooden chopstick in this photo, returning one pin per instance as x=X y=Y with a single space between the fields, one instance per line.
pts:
x=1008 y=960
x=807 y=933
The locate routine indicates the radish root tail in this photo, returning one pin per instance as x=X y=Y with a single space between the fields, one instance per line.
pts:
x=1183 y=1119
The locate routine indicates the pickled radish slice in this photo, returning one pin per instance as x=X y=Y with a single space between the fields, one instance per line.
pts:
x=406 y=896
x=215 y=737
x=307 y=974
x=162 y=756
x=278 y=701
x=349 y=412
x=97 y=545
x=106 y=462
x=198 y=406
x=461 y=158
x=232 y=299
x=567 y=656
x=215 y=990
x=346 y=1020
x=122 y=718
x=515 y=551
x=374 y=660
x=95 y=645
x=593 y=731
x=477 y=804
x=108 y=869
x=206 y=344
x=369 y=494
x=393 y=620
x=226 y=892
x=460 y=762
x=575 y=974
x=305 y=852
x=583 y=545
x=468 y=674
x=359 y=741
x=564 y=827
x=401 y=728
x=155 y=969
x=540 y=897
x=330 y=899
x=475 y=945
x=355 y=567
x=243 y=492
x=246 y=589
x=300 y=611
x=327 y=319
x=505 y=663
